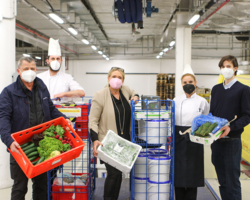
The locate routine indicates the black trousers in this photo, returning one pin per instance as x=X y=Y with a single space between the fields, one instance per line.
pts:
x=112 y=183
x=19 y=188
x=226 y=157
x=182 y=193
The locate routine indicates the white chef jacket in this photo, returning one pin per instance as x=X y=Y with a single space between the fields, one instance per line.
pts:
x=61 y=82
x=186 y=109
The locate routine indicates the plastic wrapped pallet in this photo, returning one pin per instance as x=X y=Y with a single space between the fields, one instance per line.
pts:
x=118 y=152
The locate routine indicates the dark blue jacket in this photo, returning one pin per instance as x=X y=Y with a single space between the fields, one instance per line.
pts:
x=14 y=109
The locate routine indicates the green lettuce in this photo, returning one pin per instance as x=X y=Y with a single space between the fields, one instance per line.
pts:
x=48 y=145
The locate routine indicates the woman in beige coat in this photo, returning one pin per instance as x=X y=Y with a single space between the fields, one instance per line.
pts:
x=110 y=110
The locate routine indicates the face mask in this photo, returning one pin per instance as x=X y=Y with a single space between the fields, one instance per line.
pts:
x=115 y=83
x=55 y=65
x=188 y=88
x=28 y=76
x=227 y=73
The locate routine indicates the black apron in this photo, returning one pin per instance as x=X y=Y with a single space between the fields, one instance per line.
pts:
x=189 y=161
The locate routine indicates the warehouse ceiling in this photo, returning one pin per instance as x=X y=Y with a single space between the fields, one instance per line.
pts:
x=223 y=28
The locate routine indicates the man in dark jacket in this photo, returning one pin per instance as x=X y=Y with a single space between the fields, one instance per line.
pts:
x=24 y=104
x=229 y=99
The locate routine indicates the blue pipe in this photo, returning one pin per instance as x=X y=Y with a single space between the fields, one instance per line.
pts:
x=133 y=11
x=139 y=13
x=121 y=15
x=126 y=4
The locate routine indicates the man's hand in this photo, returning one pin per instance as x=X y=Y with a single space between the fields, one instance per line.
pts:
x=14 y=147
x=70 y=123
x=59 y=95
x=226 y=130
x=135 y=99
x=95 y=145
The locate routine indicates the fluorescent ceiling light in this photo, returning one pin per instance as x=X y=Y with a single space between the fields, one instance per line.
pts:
x=93 y=47
x=56 y=18
x=158 y=57
x=172 y=43
x=26 y=55
x=161 y=53
x=104 y=56
x=73 y=31
x=85 y=41
x=100 y=52
x=38 y=58
x=193 y=19
x=165 y=50
x=107 y=58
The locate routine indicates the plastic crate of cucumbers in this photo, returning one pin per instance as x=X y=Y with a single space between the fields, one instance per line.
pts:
x=205 y=129
x=46 y=146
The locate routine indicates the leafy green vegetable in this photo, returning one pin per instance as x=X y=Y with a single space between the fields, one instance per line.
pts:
x=66 y=147
x=48 y=145
x=60 y=131
x=48 y=134
x=51 y=129
x=54 y=153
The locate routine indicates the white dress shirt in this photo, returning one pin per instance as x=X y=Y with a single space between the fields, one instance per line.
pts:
x=186 y=109
x=59 y=83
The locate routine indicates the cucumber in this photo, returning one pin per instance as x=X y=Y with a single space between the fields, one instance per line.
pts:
x=29 y=146
x=40 y=160
x=25 y=144
x=34 y=153
x=33 y=158
x=28 y=151
x=34 y=162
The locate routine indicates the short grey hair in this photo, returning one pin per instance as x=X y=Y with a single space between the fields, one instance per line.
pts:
x=28 y=59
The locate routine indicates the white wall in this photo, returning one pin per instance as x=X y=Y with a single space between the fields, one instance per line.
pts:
x=143 y=84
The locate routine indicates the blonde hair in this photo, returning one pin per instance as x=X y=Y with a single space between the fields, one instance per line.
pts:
x=113 y=70
x=188 y=75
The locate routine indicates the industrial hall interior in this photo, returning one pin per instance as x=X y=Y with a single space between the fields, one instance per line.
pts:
x=124 y=99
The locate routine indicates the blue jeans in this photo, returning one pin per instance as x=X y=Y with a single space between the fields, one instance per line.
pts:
x=226 y=157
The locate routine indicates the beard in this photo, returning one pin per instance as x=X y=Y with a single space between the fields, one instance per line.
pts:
x=53 y=69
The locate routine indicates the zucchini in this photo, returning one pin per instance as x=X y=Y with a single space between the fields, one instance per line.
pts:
x=25 y=144
x=35 y=153
x=33 y=158
x=29 y=146
x=40 y=160
x=28 y=151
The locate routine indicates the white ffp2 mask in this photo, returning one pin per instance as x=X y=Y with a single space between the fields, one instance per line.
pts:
x=55 y=65
x=227 y=72
x=28 y=76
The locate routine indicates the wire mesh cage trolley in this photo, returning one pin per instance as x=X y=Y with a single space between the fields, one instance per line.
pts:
x=75 y=179
x=152 y=127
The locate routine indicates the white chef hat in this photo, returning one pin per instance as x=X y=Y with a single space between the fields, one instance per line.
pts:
x=54 y=47
x=188 y=70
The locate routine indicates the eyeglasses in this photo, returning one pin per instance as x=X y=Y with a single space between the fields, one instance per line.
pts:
x=117 y=68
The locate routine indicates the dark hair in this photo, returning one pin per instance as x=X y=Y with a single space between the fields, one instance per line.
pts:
x=231 y=59
x=28 y=59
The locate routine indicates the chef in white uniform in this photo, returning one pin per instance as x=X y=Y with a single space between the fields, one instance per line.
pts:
x=189 y=156
x=59 y=83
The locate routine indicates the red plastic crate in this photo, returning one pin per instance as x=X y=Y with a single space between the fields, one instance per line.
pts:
x=66 y=192
x=24 y=136
x=82 y=128
x=84 y=112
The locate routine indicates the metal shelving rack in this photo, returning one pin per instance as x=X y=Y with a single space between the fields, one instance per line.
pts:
x=84 y=165
x=165 y=111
